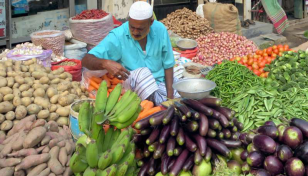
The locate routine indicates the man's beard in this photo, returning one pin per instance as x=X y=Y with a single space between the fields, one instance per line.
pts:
x=141 y=37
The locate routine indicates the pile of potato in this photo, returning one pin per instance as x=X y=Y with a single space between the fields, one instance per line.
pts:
x=28 y=88
x=35 y=147
x=187 y=24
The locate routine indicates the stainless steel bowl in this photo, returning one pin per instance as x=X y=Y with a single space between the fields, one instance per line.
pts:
x=186 y=44
x=194 y=88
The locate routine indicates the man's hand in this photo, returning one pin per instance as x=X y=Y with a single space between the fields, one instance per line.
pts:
x=116 y=69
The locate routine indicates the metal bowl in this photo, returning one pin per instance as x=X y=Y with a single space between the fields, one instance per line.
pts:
x=186 y=44
x=194 y=88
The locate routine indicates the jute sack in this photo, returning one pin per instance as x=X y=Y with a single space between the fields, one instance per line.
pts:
x=223 y=17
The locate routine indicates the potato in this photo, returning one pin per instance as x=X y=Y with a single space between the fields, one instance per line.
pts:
x=2 y=118
x=37 y=85
x=62 y=121
x=20 y=112
x=3 y=73
x=66 y=100
x=1 y=97
x=8 y=97
x=45 y=87
x=78 y=91
x=51 y=92
x=44 y=80
x=6 y=90
x=29 y=81
x=42 y=102
x=51 y=76
x=68 y=75
x=33 y=109
x=3 y=82
x=43 y=114
x=26 y=101
x=53 y=116
x=54 y=99
x=28 y=62
x=15 y=122
x=11 y=74
x=36 y=81
x=16 y=85
x=73 y=91
x=24 y=87
x=63 y=76
x=16 y=92
x=55 y=81
x=31 y=90
x=7 y=125
x=58 y=71
x=64 y=112
x=24 y=68
x=48 y=69
x=26 y=94
x=8 y=63
x=16 y=101
x=27 y=74
x=10 y=115
x=6 y=107
x=83 y=89
x=19 y=79
x=83 y=97
x=64 y=85
x=10 y=81
x=9 y=69
x=40 y=92
x=53 y=108
x=38 y=74
x=69 y=79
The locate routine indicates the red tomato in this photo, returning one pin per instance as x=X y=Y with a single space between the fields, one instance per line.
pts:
x=265 y=54
x=269 y=50
x=232 y=59
x=262 y=75
x=261 y=70
x=237 y=58
x=244 y=61
x=219 y=63
x=274 y=47
x=257 y=72
x=262 y=64
x=266 y=74
x=274 y=55
x=255 y=66
x=249 y=67
x=280 y=54
x=269 y=60
x=281 y=50
x=250 y=61
x=256 y=56
x=276 y=51
x=280 y=46
x=240 y=62
x=286 y=47
x=246 y=65
x=259 y=52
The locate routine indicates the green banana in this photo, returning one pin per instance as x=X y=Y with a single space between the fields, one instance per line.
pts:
x=110 y=171
x=116 y=133
x=117 y=153
x=128 y=112
x=123 y=134
x=77 y=174
x=100 y=141
x=105 y=160
x=119 y=104
x=76 y=163
x=101 y=97
x=113 y=98
x=129 y=122
x=107 y=138
x=89 y=172
x=129 y=158
x=122 y=169
x=92 y=154
x=83 y=121
x=129 y=100
x=83 y=140
x=129 y=149
x=130 y=171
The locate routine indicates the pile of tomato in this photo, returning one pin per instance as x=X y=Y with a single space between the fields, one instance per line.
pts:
x=257 y=62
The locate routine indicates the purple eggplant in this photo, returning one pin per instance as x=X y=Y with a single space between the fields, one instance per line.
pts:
x=240 y=126
x=211 y=133
x=146 y=151
x=146 y=132
x=179 y=163
x=269 y=130
x=201 y=143
x=270 y=123
x=235 y=136
x=231 y=124
x=235 y=166
x=227 y=133
x=219 y=147
x=245 y=168
x=170 y=146
x=255 y=159
x=169 y=115
x=231 y=143
x=183 y=108
x=302 y=152
x=250 y=137
x=157 y=120
x=234 y=129
x=182 y=117
x=242 y=137
x=144 y=169
x=236 y=154
x=189 y=163
x=219 y=128
x=281 y=129
x=145 y=123
x=221 y=135
x=153 y=146
x=292 y=137
x=190 y=145
x=154 y=135
x=152 y=165
x=208 y=154
x=198 y=106
x=259 y=172
x=164 y=164
x=194 y=114
x=295 y=167
x=213 y=123
x=174 y=127
x=203 y=125
x=171 y=163
x=213 y=102
x=140 y=163
x=197 y=157
x=265 y=144
x=164 y=134
x=159 y=151
x=221 y=118
x=226 y=112
x=244 y=155
x=284 y=153
x=180 y=138
x=138 y=138
x=252 y=148
x=273 y=165
x=301 y=124
x=177 y=151
x=192 y=126
x=306 y=169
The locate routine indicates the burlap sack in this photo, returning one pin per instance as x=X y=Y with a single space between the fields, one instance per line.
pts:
x=223 y=17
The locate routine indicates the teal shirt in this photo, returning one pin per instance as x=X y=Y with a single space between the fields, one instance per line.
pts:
x=119 y=46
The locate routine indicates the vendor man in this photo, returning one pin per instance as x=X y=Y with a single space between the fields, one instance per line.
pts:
x=138 y=52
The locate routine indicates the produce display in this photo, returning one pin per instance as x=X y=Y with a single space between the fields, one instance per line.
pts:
x=257 y=62
x=67 y=63
x=35 y=147
x=288 y=71
x=216 y=47
x=27 y=49
x=29 y=88
x=276 y=150
x=183 y=139
x=187 y=24
x=231 y=79
x=90 y=14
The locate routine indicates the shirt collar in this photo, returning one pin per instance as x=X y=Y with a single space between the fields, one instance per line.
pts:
x=152 y=32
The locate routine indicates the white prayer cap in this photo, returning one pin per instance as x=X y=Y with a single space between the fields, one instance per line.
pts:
x=140 y=10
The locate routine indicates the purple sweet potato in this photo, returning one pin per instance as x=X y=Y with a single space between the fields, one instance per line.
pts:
x=34 y=137
x=32 y=160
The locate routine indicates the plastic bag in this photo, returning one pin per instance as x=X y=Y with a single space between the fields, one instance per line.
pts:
x=42 y=59
x=87 y=74
x=199 y=10
x=173 y=38
x=91 y=31
x=75 y=70
x=50 y=39
x=77 y=50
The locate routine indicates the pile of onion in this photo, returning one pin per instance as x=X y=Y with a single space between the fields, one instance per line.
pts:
x=216 y=47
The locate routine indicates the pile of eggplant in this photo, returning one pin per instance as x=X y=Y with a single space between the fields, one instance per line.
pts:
x=277 y=150
x=187 y=138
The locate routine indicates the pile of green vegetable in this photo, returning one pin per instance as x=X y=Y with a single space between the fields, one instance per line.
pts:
x=289 y=70
x=231 y=79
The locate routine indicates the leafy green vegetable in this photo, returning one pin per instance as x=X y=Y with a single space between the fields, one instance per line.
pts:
x=221 y=169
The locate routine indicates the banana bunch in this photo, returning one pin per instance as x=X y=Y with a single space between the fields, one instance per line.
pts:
x=114 y=155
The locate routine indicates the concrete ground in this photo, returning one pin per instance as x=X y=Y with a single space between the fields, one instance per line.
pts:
x=294 y=33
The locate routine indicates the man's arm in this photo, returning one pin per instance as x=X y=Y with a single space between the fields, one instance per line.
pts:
x=169 y=82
